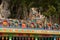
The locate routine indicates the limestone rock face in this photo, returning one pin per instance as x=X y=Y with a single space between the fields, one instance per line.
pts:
x=4 y=11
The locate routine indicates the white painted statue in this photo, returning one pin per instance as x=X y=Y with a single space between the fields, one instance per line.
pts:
x=4 y=12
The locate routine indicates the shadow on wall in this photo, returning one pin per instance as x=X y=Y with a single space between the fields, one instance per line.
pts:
x=0 y=1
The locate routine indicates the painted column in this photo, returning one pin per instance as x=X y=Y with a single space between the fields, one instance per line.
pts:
x=42 y=38
x=54 y=38
x=17 y=38
x=20 y=38
x=28 y=38
x=2 y=38
x=32 y=38
x=36 y=38
x=6 y=38
x=13 y=38
x=59 y=38
x=48 y=38
x=10 y=38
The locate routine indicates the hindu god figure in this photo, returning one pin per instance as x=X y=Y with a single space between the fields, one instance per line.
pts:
x=4 y=11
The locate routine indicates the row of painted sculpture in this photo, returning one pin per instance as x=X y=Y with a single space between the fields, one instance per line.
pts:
x=14 y=23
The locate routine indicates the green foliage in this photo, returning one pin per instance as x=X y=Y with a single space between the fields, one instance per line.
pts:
x=50 y=12
x=50 y=7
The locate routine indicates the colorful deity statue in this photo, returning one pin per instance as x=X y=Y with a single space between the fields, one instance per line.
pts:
x=23 y=25
x=5 y=23
x=32 y=25
x=11 y=23
x=15 y=21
